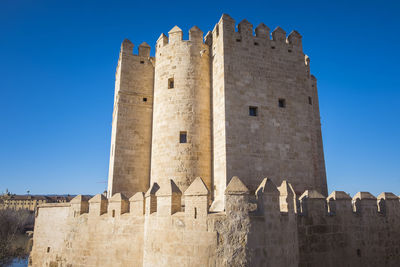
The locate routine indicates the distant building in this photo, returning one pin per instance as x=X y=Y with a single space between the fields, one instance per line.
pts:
x=29 y=202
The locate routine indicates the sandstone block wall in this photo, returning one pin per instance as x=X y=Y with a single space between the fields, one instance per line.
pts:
x=272 y=76
x=129 y=169
x=235 y=104
x=267 y=228
x=341 y=231
x=182 y=106
x=216 y=43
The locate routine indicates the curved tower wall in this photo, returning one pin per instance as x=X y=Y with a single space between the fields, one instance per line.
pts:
x=184 y=108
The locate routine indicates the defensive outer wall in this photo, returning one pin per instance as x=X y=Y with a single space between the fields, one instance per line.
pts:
x=272 y=227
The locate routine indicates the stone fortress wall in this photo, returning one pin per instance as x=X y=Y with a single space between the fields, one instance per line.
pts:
x=248 y=106
x=272 y=227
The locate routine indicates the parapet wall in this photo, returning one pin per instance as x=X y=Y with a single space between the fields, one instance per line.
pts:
x=244 y=34
x=344 y=231
x=273 y=227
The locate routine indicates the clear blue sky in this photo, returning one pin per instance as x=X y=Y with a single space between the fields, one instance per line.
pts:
x=58 y=60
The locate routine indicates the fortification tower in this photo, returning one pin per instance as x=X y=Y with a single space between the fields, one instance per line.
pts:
x=265 y=108
x=181 y=146
x=129 y=170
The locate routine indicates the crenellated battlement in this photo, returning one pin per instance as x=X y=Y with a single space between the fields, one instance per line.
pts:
x=166 y=201
x=272 y=214
x=175 y=36
x=245 y=35
x=157 y=223
x=163 y=201
x=143 y=49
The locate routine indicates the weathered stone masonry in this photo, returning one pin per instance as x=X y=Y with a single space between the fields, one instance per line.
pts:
x=267 y=228
x=204 y=91
x=236 y=105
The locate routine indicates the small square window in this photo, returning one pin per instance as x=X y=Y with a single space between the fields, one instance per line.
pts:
x=170 y=83
x=141 y=62
x=255 y=43
x=282 y=103
x=310 y=100
x=144 y=99
x=183 y=137
x=253 y=111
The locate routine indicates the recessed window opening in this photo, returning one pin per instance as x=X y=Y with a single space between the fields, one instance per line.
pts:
x=282 y=103
x=195 y=213
x=48 y=249
x=113 y=213
x=359 y=252
x=144 y=99
x=290 y=51
x=255 y=43
x=171 y=83
x=217 y=30
x=141 y=62
x=183 y=137
x=272 y=47
x=310 y=100
x=253 y=111
x=238 y=40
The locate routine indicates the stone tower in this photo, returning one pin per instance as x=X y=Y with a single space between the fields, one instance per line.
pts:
x=181 y=147
x=129 y=170
x=266 y=119
x=241 y=103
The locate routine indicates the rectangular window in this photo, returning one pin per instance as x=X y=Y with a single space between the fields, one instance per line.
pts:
x=310 y=100
x=282 y=103
x=253 y=111
x=170 y=83
x=182 y=137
